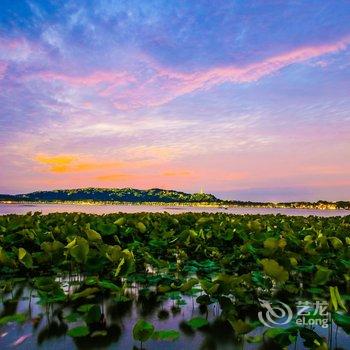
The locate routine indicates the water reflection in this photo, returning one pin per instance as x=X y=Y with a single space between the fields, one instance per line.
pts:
x=111 y=321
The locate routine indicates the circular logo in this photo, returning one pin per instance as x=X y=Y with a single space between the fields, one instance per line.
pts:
x=277 y=314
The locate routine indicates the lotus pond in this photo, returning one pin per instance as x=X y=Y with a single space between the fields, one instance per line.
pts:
x=162 y=281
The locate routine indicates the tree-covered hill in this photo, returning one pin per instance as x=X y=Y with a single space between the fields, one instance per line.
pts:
x=155 y=195
x=112 y=195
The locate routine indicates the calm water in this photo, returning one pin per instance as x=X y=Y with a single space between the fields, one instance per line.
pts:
x=46 y=326
x=50 y=331
x=107 y=209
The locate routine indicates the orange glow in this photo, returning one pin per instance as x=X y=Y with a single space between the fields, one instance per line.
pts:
x=66 y=163
x=56 y=164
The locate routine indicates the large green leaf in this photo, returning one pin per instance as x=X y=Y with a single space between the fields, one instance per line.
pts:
x=141 y=227
x=80 y=250
x=274 y=270
x=322 y=276
x=25 y=258
x=52 y=247
x=197 y=322
x=93 y=315
x=114 y=253
x=77 y=332
x=4 y=258
x=166 y=334
x=142 y=330
x=18 y=318
x=92 y=235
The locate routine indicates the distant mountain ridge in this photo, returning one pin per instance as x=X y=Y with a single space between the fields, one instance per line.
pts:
x=155 y=195
x=112 y=195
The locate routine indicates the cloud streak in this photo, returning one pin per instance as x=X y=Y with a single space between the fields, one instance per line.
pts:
x=167 y=84
x=131 y=89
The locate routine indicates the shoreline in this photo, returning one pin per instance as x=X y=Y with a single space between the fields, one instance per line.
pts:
x=177 y=204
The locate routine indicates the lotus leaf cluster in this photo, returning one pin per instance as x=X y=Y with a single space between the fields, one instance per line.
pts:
x=229 y=260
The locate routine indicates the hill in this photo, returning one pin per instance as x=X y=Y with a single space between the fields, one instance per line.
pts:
x=112 y=195
x=155 y=195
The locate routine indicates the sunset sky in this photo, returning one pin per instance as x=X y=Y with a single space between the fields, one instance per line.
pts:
x=247 y=99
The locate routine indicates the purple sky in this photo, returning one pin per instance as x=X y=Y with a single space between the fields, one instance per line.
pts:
x=247 y=99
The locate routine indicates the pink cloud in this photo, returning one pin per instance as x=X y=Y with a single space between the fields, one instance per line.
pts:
x=133 y=89
x=167 y=84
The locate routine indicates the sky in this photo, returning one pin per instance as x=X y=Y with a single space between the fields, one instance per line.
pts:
x=248 y=100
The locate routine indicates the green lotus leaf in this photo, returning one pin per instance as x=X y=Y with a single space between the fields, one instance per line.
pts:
x=322 y=276
x=336 y=243
x=85 y=293
x=4 y=258
x=271 y=243
x=188 y=285
x=142 y=330
x=77 y=332
x=106 y=229
x=197 y=322
x=80 y=250
x=109 y=285
x=92 y=235
x=93 y=315
x=120 y=222
x=52 y=247
x=72 y=317
x=141 y=227
x=274 y=270
x=25 y=258
x=18 y=318
x=114 y=253
x=85 y=308
x=166 y=334
x=209 y=287
x=71 y=243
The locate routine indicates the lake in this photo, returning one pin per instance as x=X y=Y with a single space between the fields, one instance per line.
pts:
x=17 y=208
x=178 y=281
x=47 y=324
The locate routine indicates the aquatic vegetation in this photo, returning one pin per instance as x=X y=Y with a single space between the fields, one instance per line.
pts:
x=227 y=262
